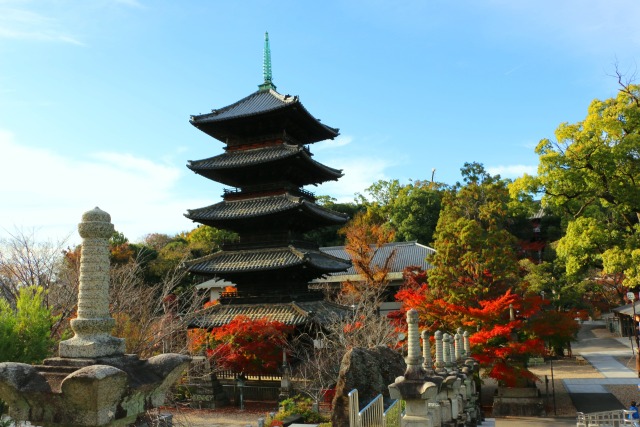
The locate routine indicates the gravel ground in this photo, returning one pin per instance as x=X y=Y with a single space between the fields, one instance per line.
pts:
x=562 y=369
x=223 y=417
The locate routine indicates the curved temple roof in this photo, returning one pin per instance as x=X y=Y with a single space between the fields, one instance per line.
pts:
x=290 y=313
x=230 y=262
x=284 y=113
x=239 y=210
x=232 y=168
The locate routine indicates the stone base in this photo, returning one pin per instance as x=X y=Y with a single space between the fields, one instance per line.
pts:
x=515 y=401
x=67 y=392
x=92 y=347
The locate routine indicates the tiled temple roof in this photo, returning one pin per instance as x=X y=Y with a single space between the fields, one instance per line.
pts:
x=220 y=122
x=290 y=313
x=404 y=254
x=263 y=206
x=269 y=259
x=220 y=167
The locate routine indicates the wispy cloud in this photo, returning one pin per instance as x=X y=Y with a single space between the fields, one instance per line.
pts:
x=23 y=24
x=596 y=27
x=330 y=144
x=141 y=195
x=360 y=173
x=513 y=70
x=512 y=171
x=130 y=3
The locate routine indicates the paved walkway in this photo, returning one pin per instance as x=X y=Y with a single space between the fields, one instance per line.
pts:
x=601 y=351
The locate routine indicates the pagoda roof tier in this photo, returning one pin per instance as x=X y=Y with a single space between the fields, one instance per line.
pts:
x=263 y=112
x=269 y=264
x=271 y=163
x=284 y=210
x=294 y=313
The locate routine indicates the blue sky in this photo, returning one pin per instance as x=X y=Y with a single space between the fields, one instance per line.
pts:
x=95 y=95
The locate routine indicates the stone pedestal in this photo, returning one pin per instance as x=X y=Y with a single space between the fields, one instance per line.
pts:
x=518 y=401
x=414 y=387
x=93 y=383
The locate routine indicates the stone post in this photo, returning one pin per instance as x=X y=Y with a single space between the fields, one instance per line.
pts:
x=447 y=351
x=413 y=387
x=427 y=362
x=460 y=331
x=457 y=340
x=467 y=344
x=439 y=353
x=93 y=325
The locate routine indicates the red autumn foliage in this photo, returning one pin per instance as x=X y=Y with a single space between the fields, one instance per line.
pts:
x=249 y=346
x=501 y=344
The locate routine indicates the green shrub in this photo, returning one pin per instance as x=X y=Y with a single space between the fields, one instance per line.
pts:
x=298 y=405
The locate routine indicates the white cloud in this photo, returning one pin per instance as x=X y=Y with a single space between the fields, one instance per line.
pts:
x=41 y=189
x=130 y=3
x=330 y=144
x=360 y=173
x=512 y=171
x=594 y=26
x=22 y=24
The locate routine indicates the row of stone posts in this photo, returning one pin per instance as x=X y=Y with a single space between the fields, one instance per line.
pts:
x=441 y=393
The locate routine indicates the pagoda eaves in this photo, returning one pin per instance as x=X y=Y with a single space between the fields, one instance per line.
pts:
x=263 y=113
x=286 y=210
x=252 y=268
x=278 y=162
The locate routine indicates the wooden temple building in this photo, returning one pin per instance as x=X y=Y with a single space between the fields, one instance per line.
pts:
x=266 y=163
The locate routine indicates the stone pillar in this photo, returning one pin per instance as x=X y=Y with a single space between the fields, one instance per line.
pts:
x=439 y=353
x=427 y=362
x=457 y=340
x=93 y=325
x=446 y=347
x=466 y=343
x=463 y=354
x=414 y=358
x=413 y=387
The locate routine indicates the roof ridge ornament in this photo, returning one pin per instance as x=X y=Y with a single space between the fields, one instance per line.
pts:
x=266 y=66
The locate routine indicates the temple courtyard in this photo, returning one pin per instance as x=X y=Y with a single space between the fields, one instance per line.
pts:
x=606 y=379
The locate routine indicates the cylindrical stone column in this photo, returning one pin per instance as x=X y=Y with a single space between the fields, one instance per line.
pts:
x=467 y=344
x=463 y=353
x=93 y=325
x=413 y=339
x=439 y=352
x=446 y=347
x=427 y=361
x=457 y=340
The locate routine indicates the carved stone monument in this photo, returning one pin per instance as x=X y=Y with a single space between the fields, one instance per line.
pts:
x=93 y=383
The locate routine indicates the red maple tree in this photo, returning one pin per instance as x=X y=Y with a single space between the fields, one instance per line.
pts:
x=507 y=329
x=249 y=346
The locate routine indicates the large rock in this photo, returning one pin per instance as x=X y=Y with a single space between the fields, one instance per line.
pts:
x=370 y=371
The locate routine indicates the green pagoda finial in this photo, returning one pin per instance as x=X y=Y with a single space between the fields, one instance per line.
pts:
x=266 y=67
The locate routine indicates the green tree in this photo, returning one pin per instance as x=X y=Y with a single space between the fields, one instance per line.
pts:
x=590 y=175
x=25 y=330
x=475 y=253
x=412 y=209
x=330 y=236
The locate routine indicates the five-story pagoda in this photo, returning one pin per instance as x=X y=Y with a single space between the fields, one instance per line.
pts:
x=266 y=162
